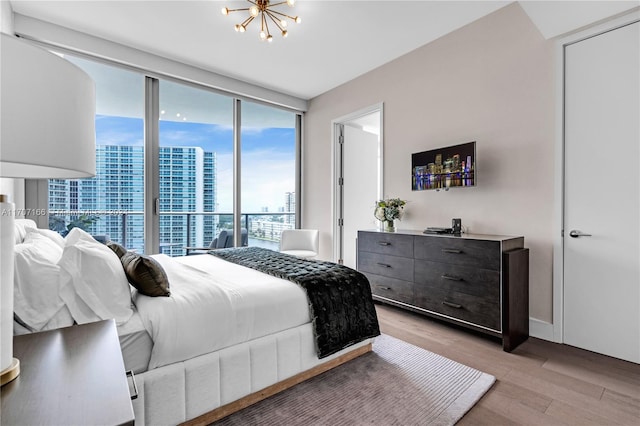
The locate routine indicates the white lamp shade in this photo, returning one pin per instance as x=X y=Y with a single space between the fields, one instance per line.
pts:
x=47 y=114
x=47 y=130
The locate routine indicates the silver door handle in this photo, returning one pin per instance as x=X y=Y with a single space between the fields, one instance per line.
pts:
x=576 y=234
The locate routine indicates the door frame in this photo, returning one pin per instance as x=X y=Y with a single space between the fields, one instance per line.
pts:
x=556 y=331
x=337 y=165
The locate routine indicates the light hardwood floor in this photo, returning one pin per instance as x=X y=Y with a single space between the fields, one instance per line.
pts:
x=540 y=383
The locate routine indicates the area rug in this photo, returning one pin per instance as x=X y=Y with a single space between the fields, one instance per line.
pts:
x=395 y=384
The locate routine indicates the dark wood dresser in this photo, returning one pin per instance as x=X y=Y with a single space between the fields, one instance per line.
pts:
x=69 y=376
x=477 y=281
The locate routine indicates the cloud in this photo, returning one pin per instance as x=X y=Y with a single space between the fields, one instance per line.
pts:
x=266 y=177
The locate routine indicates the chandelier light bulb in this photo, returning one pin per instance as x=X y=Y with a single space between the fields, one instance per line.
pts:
x=225 y=11
x=298 y=19
x=239 y=28
x=253 y=10
x=283 y=23
x=269 y=38
x=263 y=35
x=291 y=2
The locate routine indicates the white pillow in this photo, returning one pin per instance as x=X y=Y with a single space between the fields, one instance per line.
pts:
x=77 y=234
x=46 y=247
x=36 y=281
x=61 y=319
x=21 y=226
x=93 y=283
x=52 y=235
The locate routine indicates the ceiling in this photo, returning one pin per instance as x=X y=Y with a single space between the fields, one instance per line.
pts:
x=336 y=42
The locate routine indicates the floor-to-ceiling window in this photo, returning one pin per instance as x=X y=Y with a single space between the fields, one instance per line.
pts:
x=196 y=146
x=268 y=158
x=196 y=166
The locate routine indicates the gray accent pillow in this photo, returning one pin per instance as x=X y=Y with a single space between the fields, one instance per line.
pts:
x=145 y=274
x=117 y=249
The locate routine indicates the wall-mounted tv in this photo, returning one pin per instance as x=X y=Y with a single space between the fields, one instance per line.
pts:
x=444 y=168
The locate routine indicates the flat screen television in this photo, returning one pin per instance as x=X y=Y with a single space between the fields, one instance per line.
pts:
x=443 y=168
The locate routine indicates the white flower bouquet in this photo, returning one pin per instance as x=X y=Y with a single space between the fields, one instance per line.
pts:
x=389 y=210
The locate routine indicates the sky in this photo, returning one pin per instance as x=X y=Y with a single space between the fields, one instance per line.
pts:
x=267 y=160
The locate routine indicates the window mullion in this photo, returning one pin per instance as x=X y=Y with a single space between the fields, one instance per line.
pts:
x=151 y=167
x=237 y=184
x=298 y=209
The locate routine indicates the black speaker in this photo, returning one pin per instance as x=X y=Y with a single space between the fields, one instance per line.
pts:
x=456 y=226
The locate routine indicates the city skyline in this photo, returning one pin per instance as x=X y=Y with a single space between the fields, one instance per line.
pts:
x=269 y=150
x=187 y=184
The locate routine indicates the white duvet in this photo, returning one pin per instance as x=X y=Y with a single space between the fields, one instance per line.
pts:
x=215 y=304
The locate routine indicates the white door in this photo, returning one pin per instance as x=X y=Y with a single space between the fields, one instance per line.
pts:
x=360 y=187
x=602 y=194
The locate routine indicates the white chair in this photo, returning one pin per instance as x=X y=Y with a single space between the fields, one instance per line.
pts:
x=300 y=242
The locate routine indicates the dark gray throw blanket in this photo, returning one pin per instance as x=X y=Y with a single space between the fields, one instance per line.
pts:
x=342 y=309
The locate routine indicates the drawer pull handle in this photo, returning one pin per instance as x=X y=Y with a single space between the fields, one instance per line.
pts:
x=384 y=265
x=451 y=305
x=450 y=278
x=452 y=251
x=384 y=243
x=384 y=288
x=135 y=388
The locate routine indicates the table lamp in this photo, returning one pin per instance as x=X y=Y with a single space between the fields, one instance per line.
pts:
x=47 y=130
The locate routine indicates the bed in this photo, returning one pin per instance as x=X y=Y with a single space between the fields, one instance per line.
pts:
x=213 y=337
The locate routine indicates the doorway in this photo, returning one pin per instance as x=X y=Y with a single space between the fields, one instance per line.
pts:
x=358 y=178
x=601 y=249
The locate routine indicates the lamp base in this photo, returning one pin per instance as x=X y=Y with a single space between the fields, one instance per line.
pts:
x=10 y=373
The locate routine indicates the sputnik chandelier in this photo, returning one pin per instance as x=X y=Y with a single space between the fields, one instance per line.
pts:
x=264 y=9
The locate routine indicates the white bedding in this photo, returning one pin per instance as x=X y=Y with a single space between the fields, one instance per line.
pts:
x=215 y=304
x=135 y=344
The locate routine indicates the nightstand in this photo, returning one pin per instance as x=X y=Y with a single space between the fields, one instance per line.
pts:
x=72 y=375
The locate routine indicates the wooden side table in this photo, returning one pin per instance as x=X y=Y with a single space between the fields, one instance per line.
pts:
x=72 y=375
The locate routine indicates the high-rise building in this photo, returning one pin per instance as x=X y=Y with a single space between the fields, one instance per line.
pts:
x=290 y=207
x=210 y=194
x=116 y=196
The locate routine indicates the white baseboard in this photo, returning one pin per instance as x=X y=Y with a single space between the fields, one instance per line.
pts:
x=541 y=329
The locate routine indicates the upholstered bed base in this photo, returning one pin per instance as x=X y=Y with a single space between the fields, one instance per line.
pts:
x=193 y=389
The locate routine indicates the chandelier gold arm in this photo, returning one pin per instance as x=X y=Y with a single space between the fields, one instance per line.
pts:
x=226 y=10
x=275 y=21
x=293 y=18
x=265 y=25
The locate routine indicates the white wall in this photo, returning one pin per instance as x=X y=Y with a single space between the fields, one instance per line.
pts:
x=491 y=81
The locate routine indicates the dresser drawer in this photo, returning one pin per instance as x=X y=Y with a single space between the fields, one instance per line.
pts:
x=386 y=243
x=477 y=282
x=388 y=266
x=391 y=288
x=459 y=251
x=466 y=307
